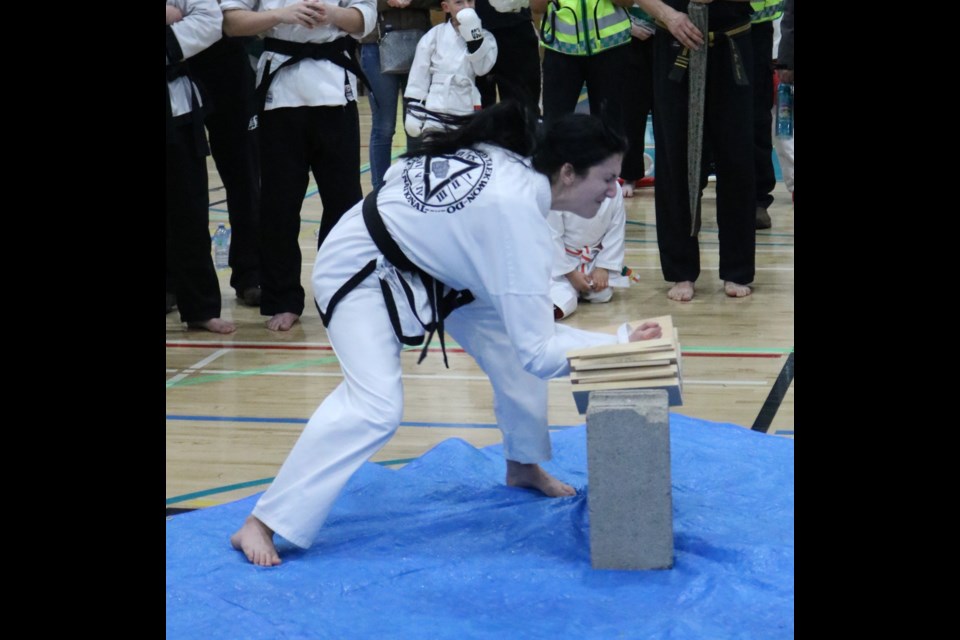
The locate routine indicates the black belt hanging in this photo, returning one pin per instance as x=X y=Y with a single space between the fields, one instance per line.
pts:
x=736 y=59
x=445 y=120
x=181 y=70
x=441 y=305
x=335 y=52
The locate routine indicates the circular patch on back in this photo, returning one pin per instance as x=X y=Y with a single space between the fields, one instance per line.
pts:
x=445 y=184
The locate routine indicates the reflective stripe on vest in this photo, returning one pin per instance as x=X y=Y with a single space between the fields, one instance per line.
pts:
x=766 y=10
x=570 y=27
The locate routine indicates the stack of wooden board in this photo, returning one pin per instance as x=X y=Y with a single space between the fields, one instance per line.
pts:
x=647 y=364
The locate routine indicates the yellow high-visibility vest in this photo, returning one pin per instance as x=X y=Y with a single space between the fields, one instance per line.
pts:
x=584 y=27
x=766 y=10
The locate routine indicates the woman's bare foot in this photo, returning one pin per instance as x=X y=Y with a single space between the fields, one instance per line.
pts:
x=627 y=188
x=282 y=321
x=216 y=325
x=255 y=539
x=531 y=476
x=681 y=291
x=735 y=290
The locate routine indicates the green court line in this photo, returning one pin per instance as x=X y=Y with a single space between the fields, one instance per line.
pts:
x=652 y=225
x=215 y=490
x=254 y=483
x=387 y=463
x=215 y=377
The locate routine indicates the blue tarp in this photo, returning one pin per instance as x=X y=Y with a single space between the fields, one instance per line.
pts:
x=443 y=549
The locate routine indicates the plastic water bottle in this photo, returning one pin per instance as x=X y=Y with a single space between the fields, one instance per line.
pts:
x=221 y=247
x=785 y=110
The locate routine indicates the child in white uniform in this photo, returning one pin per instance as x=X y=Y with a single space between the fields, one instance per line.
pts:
x=589 y=255
x=441 y=88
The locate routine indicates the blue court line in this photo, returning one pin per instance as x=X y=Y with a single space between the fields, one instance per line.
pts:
x=441 y=425
x=784 y=432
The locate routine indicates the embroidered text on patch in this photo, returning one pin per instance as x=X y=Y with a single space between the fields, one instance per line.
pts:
x=445 y=184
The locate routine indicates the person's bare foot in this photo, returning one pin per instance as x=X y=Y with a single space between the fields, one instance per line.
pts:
x=681 y=291
x=282 y=321
x=532 y=476
x=216 y=325
x=255 y=540
x=627 y=188
x=735 y=290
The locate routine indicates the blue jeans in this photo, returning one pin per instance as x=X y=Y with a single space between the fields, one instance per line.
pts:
x=383 y=110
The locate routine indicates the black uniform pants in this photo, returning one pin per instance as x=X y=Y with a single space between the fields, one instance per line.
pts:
x=294 y=142
x=227 y=81
x=564 y=75
x=728 y=129
x=516 y=74
x=637 y=104
x=762 y=77
x=190 y=270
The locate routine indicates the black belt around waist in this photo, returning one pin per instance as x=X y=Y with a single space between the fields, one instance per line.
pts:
x=440 y=304
x=182 y=70
x=683 y=58
x=335 y=52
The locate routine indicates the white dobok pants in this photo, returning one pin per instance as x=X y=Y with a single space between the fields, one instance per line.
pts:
x=364 y=411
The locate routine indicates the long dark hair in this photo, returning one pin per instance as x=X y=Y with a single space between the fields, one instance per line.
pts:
x=580 y=139
x=508 y=124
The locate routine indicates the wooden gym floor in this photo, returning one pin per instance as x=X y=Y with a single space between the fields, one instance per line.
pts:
x=237 y=403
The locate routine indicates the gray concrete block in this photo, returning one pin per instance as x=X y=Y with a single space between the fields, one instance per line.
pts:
x=629 y=492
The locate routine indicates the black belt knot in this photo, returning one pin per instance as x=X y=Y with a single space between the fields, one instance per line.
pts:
x=335 y=51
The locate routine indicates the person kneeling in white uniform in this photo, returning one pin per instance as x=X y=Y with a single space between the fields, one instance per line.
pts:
x=588 y=255
x=415 y=257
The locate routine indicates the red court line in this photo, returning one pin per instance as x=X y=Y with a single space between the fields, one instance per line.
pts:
x=293 y=347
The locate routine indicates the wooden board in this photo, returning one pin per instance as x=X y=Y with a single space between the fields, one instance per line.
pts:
x=669 y=371
x=647 y=364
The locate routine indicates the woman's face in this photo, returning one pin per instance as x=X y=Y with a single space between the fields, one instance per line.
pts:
x=583 y=195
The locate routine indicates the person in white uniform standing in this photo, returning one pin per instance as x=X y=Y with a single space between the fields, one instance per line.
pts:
x=589 y=255
x=307 y=87
x=191 y=27
x=414 y=257
x=441 y=87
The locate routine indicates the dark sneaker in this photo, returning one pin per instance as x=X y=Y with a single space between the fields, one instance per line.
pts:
x=763 y=219
x=171 y=302
x=250 y=296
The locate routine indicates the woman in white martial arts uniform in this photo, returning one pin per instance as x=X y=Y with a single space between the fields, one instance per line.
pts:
x=462 y=226
x=588 y=256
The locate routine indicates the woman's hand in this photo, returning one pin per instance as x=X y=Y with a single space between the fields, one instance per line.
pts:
x=173 y=15
x=646 y=331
